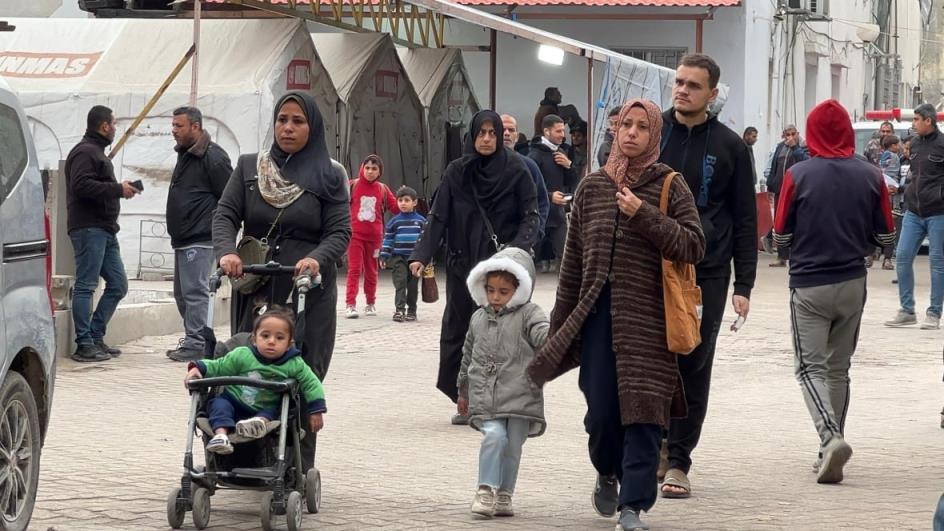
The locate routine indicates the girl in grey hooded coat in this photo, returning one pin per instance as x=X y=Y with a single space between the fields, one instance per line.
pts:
x=494 y=389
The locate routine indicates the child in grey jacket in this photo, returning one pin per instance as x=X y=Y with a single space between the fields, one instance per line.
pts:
x=494 y=389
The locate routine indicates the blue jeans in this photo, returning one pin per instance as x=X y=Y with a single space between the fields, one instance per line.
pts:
x=500 y=455
x=939 y=515
x=224 y=410
x=913 y=231
x=96 y=255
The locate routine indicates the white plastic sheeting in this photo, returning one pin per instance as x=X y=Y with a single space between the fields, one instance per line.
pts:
x=380 y=111
x=445 y=90
x=62 y=67
x=625 y=78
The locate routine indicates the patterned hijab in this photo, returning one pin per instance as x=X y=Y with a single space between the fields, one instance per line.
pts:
x=284 y=177
x=621 y=168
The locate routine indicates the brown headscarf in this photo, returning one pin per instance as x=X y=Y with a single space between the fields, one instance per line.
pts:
x=621 y=168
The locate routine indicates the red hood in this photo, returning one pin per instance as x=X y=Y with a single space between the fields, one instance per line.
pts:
x=829 y=131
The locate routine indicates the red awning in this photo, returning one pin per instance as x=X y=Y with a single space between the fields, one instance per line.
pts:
x=633 y=3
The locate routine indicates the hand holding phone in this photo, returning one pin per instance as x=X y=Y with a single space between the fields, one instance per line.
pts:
x=138 y=184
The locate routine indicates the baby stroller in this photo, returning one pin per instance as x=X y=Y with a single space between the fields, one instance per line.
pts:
x=271 y=463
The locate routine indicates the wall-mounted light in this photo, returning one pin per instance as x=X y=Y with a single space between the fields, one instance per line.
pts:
x=551 y=54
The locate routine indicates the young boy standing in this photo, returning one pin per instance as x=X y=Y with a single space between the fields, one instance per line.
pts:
x=401 y=236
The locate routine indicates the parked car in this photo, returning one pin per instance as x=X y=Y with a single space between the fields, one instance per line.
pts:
x=27 y=333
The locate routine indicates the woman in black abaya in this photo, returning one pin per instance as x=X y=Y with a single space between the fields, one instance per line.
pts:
x=489 y=180
x=295 y=194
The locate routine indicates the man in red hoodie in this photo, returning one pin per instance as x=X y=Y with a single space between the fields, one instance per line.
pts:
x=370 y=200
x=827 y=240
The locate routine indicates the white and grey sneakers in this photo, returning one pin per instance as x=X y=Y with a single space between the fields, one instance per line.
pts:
x=484 y=502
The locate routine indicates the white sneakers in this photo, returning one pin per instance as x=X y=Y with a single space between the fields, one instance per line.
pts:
x=931 y=322
x=351 y=311
x=503 y=504
x=253 y=428
x=484 y=502
x=220 y=445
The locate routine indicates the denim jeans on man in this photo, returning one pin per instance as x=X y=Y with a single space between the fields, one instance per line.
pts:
x=913 y=231
x=500 y=455
x=192 y=267
x=96 y=255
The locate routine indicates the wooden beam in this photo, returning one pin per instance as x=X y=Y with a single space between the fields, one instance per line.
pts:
x=153 y=101
x=699 y=32
x=326 y=18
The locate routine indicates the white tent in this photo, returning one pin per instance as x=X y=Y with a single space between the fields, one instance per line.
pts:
x=62 y=67
x=380 y=111
x=445 y=90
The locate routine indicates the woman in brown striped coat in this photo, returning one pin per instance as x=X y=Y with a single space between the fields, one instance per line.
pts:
x=609 y=317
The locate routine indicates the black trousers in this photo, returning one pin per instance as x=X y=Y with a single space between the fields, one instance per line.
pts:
x=696 y=375
x=631 y=453
x=455 y=325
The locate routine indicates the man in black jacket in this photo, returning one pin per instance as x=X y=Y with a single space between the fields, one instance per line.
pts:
x=717 y=168
x=92 y=199
x=202 y=170
x=787 y=153
x=549 y=152
x=924 y=217
x=603 y=152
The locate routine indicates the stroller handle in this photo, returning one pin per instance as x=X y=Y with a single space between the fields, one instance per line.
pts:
x=283 y=386
x=271 y=268
x=303 y=282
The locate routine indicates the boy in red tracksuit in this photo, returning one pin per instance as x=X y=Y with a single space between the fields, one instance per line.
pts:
x=370 y=200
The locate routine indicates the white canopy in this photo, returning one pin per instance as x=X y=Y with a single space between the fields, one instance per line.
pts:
x=445 y=89
x=62 y=67
x=380 y=111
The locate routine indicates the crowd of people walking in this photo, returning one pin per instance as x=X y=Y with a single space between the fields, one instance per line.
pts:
x=675 y=189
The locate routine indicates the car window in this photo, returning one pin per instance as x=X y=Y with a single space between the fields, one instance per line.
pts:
x=12 y=150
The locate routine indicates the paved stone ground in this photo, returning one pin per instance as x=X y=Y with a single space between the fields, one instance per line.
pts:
x=390 y=460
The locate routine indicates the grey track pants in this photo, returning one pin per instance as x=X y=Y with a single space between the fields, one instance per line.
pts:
x=192 y=267
x=825 y=322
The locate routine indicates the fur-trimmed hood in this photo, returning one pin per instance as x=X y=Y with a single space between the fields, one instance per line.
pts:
x=513 y=260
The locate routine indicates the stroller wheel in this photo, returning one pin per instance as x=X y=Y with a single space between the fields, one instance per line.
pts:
x=293 y=511
x=266 y=511
x=201 y=508
x=313 y=490
x=175 y=510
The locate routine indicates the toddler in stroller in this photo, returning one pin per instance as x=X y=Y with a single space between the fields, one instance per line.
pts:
x=270 y=357
x=251 y=405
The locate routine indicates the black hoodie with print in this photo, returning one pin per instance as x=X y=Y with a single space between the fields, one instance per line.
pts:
x=717 y=167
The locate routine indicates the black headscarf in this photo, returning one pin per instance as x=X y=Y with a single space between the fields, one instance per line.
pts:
x=487 y=173
x=309 y=168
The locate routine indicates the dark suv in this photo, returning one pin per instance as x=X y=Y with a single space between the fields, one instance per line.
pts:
x=27 y=334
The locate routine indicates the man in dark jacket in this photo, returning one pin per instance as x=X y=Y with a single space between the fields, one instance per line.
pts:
x=827 y=273
x=750 y=138
x=603 y=153
x=924 y=217
x=717 y=168
x=510 y=138
x=93 y=195
x=202 y=170
x=785 y=154
x=549 y=152
x=552 y=99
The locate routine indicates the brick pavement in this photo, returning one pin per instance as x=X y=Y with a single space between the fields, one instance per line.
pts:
x=390 y=460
